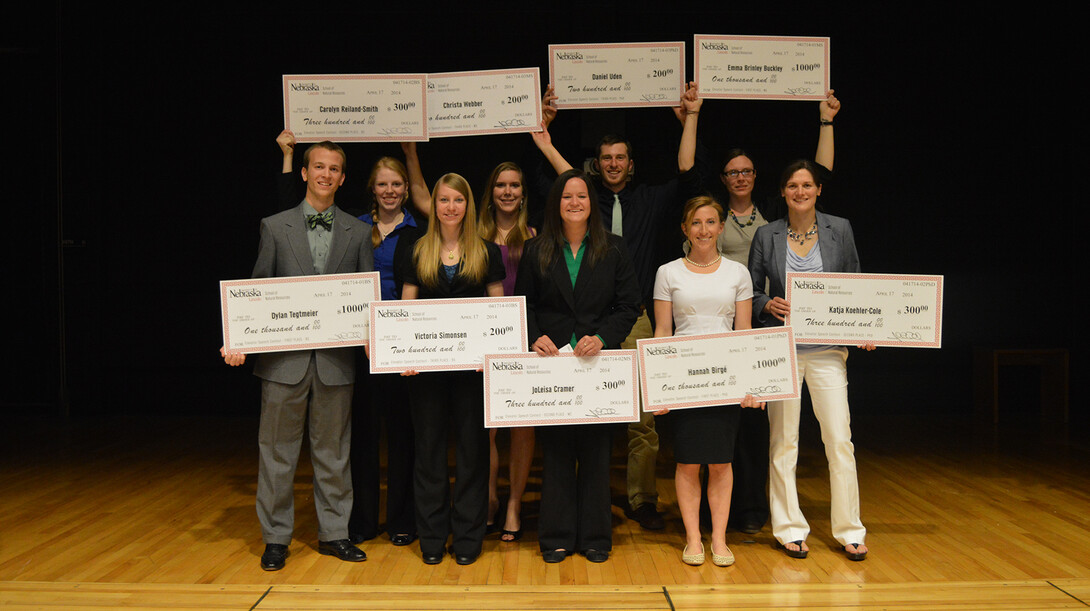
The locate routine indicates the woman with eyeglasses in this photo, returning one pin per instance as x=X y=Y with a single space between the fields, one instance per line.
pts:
x=739 y=176
x=745 y=215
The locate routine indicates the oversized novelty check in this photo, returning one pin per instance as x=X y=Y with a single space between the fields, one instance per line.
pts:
x=356 y=107
x=618 y=75
x=717 y=369
x=852 y=309
x=761 y=67
x=532 y=390
x=444 y=334
x=297 y=312
x=484 y=102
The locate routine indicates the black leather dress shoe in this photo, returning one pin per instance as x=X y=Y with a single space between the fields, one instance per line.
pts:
x=596 y=555
x=751 y=528
x=432 y=558
x=402 y=539
x=553 y=556
x=274 y=557
x=750 y=525
x=464 y=559
x=648 y=516
x=343 y=549
x=355 y=538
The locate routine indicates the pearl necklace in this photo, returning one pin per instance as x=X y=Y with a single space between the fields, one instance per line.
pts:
x=713 y=262
x=801 y=237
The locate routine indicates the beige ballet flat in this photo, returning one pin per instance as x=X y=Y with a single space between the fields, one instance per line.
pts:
x=693 y=559
x=726 y=559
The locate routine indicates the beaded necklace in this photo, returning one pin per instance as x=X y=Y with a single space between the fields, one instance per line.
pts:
x=752 y=217
x=801 y=237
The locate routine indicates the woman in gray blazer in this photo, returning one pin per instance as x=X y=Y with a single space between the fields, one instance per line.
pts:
x=808 y=241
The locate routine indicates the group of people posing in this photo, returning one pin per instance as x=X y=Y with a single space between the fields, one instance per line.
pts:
x=591 y=281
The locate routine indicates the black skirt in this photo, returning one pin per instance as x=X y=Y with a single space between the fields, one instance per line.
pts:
x=705 y=435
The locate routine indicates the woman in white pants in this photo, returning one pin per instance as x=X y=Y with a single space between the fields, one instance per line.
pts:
x=808 y=241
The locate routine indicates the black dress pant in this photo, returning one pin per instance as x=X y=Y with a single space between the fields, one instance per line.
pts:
x=575 y=500
x=446 y=404
x=381 y=398
x=749 y=498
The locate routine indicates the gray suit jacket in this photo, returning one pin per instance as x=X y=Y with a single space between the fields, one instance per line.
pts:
x=285 y=251
x=768 y=259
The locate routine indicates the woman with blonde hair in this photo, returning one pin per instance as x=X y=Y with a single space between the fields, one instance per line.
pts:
x=504 y=222
x=700 y=293
x=391 y=220
x=450 y=261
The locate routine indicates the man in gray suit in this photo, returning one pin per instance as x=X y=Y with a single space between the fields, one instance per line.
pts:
x=308 y=389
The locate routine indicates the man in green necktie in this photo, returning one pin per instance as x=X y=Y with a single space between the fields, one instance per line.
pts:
x=308 y=390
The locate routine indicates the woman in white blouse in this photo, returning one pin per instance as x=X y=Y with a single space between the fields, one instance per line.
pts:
x=702 y=293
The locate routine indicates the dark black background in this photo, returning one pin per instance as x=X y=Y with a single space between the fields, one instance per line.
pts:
x=140 y=155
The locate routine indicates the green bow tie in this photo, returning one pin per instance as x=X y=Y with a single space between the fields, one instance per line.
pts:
x=325 y=219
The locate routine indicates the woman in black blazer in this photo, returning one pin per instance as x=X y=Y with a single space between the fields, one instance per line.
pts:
x=581 y=290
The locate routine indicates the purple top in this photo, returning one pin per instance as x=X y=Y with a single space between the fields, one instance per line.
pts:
x=512 y=267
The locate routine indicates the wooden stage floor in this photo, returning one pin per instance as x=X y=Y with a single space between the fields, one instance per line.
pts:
x=131 y=512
